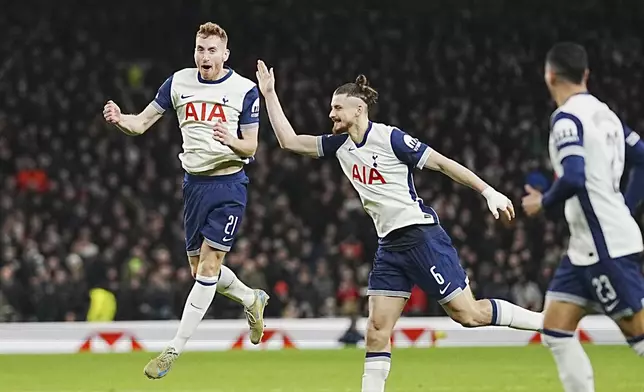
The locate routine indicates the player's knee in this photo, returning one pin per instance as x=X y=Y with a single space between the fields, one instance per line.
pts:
x=378 y=334
x=210 y=263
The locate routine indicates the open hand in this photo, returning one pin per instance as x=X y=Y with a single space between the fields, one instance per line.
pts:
x=496 y=202
x=265 y=78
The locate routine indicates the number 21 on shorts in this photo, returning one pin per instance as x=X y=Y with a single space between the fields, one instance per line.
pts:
x=230 y=227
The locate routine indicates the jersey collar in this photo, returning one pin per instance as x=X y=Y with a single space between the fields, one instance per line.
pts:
x=576 y=94
x=366 y=134
x=220 y=80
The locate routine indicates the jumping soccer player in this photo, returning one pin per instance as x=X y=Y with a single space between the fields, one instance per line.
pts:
x=589 y=146
x=379 y=159
x=218 y=113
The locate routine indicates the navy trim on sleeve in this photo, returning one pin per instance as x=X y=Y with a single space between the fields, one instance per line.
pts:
x=567 y=130
x=163 y=99
x=250 y=107
x=329 y=144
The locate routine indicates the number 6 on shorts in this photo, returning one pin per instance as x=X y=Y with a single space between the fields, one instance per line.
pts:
x=437 y=275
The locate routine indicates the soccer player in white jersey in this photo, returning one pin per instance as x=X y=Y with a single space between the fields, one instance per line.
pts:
x=378 y=160
x=218 y=113
x=589 y=146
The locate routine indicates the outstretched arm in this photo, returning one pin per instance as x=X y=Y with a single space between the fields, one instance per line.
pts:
x=131 y=124
x=455 y=171
x=414 y=153
x=288 y=139
x=459 y=173
x=137 y=124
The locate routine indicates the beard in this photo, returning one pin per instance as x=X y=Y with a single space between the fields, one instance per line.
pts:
x=340 y=127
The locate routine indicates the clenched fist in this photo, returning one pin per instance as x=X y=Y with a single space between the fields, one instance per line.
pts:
x=112 y=112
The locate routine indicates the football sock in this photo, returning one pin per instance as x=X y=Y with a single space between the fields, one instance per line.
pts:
x=506 y=314
x=637 y=344
x=575 y=370
x=376 y=370
x=197 y=304
x=233 y=288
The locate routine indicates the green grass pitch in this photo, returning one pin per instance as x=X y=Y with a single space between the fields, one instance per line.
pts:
x=444 y=369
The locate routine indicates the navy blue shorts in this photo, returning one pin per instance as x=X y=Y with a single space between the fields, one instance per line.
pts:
x=213 y=207
x=432 y=264
x=614 y=287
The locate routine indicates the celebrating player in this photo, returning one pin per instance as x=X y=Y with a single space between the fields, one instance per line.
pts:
x=588 y=148
x=218 y=113
x=413 y=248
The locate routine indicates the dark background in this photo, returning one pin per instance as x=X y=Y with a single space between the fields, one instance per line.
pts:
x=84 y=206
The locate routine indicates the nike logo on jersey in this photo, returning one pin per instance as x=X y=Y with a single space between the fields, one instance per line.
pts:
x=444 y=289
x=352 y=148
x=186 y=96
x=196 y=307
x=227 y=239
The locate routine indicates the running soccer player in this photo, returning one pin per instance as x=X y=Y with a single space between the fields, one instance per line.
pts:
x=589 y=146
x=378 y=160
x=218 y=113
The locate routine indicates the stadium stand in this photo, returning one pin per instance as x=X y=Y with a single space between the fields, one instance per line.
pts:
x=85 y=208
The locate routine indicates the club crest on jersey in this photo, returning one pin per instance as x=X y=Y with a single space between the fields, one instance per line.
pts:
x=205 y=112
x=367 y=175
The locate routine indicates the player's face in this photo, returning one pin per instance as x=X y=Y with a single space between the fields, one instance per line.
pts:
x=210 y=55
x=344 y=112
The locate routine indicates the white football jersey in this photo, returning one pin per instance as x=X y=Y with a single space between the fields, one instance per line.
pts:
x=601 y=226
x=199 y=105
x=380 y=169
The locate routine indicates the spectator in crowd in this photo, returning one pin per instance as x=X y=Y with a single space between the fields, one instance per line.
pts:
x=86 y=210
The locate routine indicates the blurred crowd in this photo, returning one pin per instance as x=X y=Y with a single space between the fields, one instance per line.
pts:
x=83 y=206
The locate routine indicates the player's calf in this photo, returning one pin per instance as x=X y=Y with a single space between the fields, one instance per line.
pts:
x=197 y=304
x=471 y=313
x=573 y=365
x=383 y=313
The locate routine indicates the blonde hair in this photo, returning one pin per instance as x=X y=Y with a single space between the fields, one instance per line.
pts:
x=209 y=29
